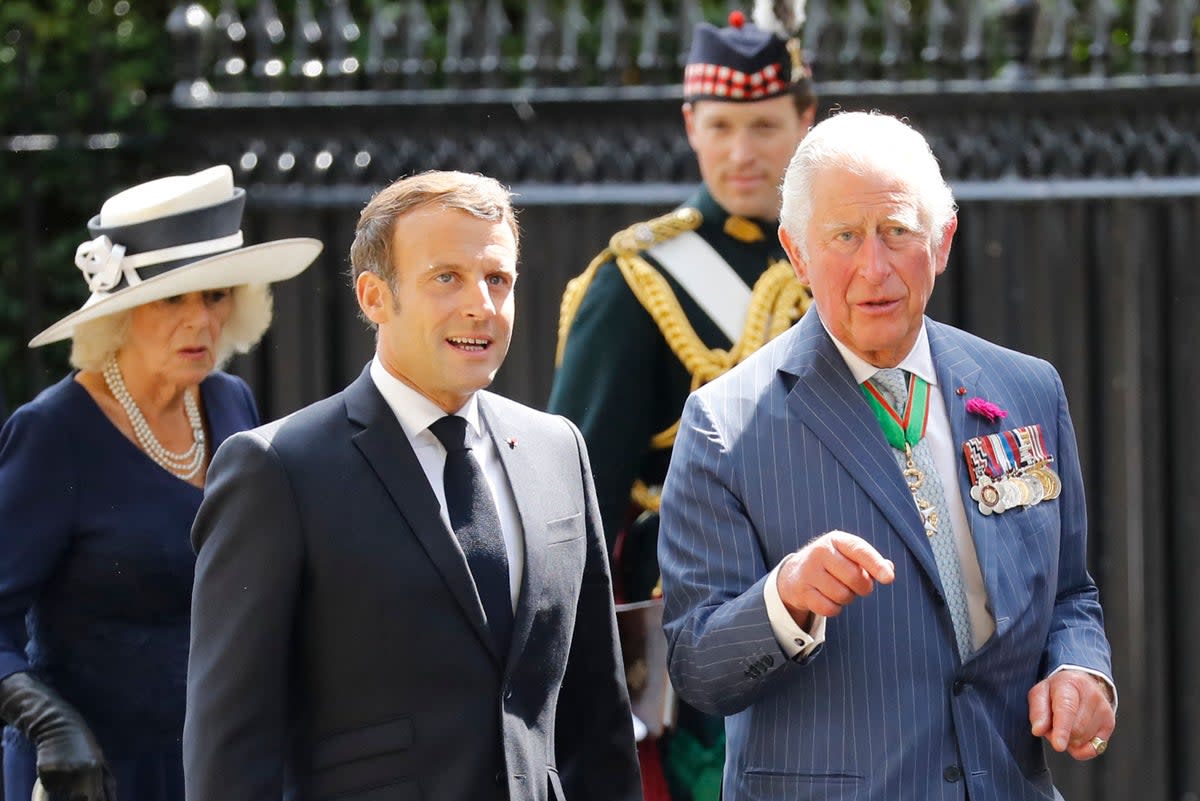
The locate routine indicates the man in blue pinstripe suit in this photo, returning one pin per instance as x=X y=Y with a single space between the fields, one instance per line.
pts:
x=873 y=531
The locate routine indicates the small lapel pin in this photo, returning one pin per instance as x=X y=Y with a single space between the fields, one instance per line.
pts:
x=512 y=442
x=960 y=391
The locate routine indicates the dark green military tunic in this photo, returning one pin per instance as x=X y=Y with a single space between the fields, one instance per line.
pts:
x=620 y=382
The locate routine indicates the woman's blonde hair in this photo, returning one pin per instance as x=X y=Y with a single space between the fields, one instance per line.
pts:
x=93 y=342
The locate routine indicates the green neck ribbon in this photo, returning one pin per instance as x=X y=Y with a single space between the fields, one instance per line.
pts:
x=901 y=431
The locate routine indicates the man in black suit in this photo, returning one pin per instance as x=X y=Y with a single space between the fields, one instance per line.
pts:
x=402 y=591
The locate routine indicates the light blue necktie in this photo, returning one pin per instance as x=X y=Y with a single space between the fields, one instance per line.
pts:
x=893 y=383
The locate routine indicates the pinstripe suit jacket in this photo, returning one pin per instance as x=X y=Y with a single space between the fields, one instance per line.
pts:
x=783 y=449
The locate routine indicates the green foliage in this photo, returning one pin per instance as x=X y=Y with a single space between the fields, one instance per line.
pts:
x=69 y=69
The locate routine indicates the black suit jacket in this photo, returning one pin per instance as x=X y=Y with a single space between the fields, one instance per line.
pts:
x=339 y=648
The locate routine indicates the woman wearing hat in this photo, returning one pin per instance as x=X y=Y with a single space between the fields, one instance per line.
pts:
x=101 y=476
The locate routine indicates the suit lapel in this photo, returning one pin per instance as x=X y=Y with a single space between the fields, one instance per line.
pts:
x=956 y=368
x=522 y=470
x=386 y=448
x=829 y=402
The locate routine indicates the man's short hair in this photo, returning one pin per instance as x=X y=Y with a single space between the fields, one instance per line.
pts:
x=804 y=95
x=863 y=143
x=477 y=195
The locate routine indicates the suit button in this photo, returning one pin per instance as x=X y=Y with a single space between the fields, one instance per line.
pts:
x=952 y=773
x=508 y=695
x=500 y=779
x=961 y=687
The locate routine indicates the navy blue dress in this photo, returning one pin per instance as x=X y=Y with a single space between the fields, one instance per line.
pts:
x=96 y=579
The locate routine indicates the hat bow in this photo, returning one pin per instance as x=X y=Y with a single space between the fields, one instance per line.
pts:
x=100 y=261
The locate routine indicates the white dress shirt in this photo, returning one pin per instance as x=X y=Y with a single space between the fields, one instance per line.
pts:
x=416 y=413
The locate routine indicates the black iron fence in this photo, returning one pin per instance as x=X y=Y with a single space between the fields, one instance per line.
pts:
x=253 y=45
x=585 y=166
x=1070 y=130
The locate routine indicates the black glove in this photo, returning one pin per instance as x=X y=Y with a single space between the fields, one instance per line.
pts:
x=69 y=761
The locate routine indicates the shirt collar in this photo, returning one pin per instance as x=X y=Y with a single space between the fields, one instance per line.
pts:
x=414 y=411
x=715 y=215
x=919 y=360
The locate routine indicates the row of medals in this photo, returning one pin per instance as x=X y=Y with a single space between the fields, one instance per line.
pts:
x=1025 y=487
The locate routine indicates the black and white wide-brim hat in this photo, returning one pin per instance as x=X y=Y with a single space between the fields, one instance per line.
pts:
x=169 y=237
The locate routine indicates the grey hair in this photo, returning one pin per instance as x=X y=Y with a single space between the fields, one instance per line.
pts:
x=93 y=342
x=865 y=143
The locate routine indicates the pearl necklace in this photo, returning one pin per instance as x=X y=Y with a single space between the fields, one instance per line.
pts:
x=185 y=465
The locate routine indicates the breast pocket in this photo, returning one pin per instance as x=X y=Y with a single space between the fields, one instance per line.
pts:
x=565 y=551
x=1040 y=520
x=556 y=582
x=565 y=529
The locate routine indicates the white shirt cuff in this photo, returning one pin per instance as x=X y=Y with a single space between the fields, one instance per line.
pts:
x=1112 y=688
x=795 y=641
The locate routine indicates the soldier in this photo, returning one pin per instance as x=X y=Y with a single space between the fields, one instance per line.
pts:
x=676 y=301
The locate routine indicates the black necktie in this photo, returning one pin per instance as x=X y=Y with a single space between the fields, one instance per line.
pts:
x=476 y=524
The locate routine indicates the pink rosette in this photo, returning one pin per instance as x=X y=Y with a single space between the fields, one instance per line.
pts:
x=986 y=409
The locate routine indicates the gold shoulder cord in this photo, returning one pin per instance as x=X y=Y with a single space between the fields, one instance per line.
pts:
x=777 y=301
x=623 y=245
